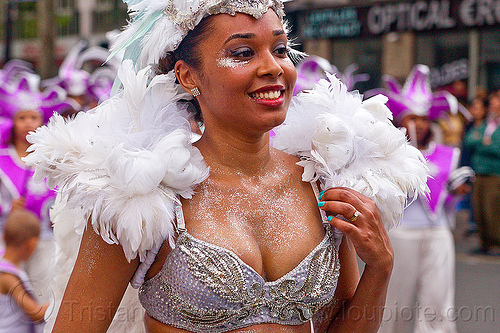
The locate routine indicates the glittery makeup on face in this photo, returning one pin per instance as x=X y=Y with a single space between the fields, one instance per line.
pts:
x=224 y=61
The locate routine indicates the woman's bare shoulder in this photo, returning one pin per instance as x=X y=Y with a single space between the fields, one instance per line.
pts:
x=288 y=162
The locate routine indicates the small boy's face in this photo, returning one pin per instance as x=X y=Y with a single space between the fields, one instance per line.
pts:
x=26 y=121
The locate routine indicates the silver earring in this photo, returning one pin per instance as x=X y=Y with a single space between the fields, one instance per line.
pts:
x=196 y=92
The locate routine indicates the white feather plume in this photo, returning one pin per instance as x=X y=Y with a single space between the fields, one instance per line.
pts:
x=124 y=163
x=345 y=141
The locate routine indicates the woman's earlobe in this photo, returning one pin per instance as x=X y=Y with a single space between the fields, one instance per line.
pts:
x=196 y=92
x=185 y=76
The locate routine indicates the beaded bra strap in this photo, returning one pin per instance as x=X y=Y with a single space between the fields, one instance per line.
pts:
x=179 y=215
x=324 y=218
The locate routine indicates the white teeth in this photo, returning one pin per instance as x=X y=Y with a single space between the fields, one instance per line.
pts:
x=266 y=95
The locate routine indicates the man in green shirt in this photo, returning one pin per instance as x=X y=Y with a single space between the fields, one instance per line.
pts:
x=484 y=144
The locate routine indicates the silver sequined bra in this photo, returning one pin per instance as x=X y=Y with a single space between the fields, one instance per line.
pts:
x=206 y=288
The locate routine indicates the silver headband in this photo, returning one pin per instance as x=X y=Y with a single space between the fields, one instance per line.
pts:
x=187 y=20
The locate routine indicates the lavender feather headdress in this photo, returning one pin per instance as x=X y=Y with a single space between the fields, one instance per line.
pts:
x=77 y=81
x=13 y=69
x=25 y=94
x=313 y=69
x=100 y=80
x=416 y=96
x=71 y=78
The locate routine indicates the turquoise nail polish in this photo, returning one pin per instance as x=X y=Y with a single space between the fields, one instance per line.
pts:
x=321 y=204
x=330 y=218
x=321 y=195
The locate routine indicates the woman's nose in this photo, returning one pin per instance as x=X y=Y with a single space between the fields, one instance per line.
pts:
x=270 y=66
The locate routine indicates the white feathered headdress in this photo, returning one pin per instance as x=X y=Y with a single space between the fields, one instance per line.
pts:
x=158 y=26
x=345 y=141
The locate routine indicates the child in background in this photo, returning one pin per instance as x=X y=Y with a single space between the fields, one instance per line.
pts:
x=19 y=311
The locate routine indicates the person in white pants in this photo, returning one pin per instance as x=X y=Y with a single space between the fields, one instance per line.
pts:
x=422 y=286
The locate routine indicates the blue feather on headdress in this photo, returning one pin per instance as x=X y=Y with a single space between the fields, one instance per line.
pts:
x=137 y=36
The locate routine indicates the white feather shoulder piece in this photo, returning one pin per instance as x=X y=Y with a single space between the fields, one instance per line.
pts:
x=124 y=164
x=345 y=141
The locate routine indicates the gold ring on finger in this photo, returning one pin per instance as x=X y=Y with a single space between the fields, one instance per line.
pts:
x=354 y=217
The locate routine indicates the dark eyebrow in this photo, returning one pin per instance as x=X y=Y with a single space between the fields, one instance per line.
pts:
x=250 y=35
x=242 y=36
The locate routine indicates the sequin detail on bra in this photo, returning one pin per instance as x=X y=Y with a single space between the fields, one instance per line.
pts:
x=206 y=288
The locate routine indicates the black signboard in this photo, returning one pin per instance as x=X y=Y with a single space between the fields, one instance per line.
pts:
x=331 y=23
x=418 y=16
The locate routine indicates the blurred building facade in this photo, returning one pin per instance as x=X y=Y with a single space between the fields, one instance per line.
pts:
x=459 y=39
x=73 y=20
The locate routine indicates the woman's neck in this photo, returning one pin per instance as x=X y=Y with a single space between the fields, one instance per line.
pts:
x=226 y=153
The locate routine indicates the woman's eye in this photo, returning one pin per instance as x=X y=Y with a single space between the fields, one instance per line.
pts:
x=242 y=53
x=281 y=50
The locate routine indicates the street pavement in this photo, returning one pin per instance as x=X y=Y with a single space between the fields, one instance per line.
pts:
x=477 y=284
x=477 y=307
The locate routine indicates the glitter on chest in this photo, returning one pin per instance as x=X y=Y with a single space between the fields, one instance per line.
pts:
x=269 y=210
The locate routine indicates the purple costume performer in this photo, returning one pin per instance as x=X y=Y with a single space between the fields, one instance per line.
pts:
x=16 y=94
x=8 y=74
x=423 y=274
x=20 y=99
x=16 y=180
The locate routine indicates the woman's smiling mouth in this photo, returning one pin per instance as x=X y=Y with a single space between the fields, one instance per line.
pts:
x=270 y=95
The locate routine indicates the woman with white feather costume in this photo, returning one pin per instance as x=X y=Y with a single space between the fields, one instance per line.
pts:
x=225 y=234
